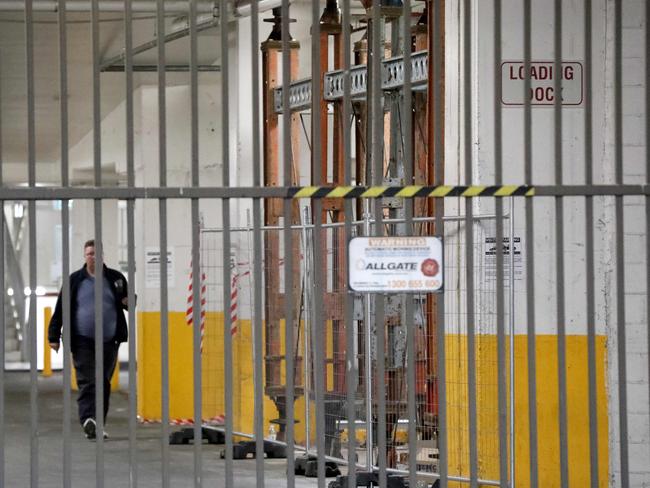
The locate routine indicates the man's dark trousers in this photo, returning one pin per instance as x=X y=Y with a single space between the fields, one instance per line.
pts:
x=83 y=357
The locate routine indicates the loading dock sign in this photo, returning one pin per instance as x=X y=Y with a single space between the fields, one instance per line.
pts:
x=396 y=264
x=542 y=76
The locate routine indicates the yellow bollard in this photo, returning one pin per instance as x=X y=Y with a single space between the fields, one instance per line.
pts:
x=47 y=352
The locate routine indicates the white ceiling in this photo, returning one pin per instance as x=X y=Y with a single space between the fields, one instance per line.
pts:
x=13 y=84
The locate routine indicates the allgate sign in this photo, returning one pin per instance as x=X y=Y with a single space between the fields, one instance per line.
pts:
x=396 y=264
x=542 y=75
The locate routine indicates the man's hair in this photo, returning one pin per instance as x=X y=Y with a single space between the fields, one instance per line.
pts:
x=89 y=243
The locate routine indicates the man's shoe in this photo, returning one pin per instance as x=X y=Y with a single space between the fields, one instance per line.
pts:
x=105 y=435
x=90 y=428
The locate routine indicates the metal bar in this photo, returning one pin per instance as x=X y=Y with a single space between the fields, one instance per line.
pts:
x=81 y=193
x=531 y=340
x=133 y=398
x=172 y=36
x=620 y=245
x=227 y=273
x=171 y=68
x=357 y=223
x=99 y=345
x=3 y=286
x=647 y=172
x=370 y=441
x=162 y=216
x=196 y=258
x=65 y=245
x=99 y=257
x=352 y=378
x=376 y=116
x=287 y=155
x=437 y=118
x=307 y=265
x=318 y=325
x=407 y=159
x=511 y=353
x=559 y=249
x=505 y=458
x=258 y=378
x=589 y=256
x=393 y=77
x=31 y=161
x=469 y=241
x=103 y=5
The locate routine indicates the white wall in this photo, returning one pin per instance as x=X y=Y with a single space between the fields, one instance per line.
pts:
x=634 y=152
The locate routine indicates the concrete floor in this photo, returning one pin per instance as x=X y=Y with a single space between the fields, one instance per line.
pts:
x=116 y=457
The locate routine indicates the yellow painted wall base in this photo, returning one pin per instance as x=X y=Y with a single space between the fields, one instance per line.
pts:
x=547 y=409
x=181 y=396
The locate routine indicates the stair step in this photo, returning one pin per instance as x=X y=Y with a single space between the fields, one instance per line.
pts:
x=11 y=345
x=12 y=356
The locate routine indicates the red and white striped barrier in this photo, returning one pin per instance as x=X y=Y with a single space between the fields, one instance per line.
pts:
x=218 y=420
x=189 y=314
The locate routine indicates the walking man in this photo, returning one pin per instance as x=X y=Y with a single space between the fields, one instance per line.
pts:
x=82 y=331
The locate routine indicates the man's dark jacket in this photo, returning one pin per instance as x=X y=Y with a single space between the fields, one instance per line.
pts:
x=120 y=290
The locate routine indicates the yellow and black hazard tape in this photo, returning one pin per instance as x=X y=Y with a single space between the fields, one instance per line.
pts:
x=409 y=191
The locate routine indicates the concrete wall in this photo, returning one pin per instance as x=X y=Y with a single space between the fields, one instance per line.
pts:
x=545 y=226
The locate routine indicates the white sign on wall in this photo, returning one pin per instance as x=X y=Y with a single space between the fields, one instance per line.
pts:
x=542 y=75
x=490 y=262
x=152 y=267
x=396 y=264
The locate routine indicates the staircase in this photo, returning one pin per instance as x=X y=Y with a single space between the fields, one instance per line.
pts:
x=14 y=298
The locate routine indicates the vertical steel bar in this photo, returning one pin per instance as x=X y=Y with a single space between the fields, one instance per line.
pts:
x=407 y=162
x=2 y=314
x=99 y=253
x=559 y=248
x=589 y=254
x=257 y=244
x=128 y=75
x=370 y=438
x=318 y=325
x=287 y=154
x=308 y=320
x=469 y=240
x=2 y=311
x=502 y=387
x=437 y=70
x=99 y=344
x=647 y=173
x=196 y=258
x=351 y=358
x=65 y=244
x=225 y=209
x=511 y=354
x=620 y=244
x=530 y=257
x=31 y=161
x=162 y=216
x=376 y=118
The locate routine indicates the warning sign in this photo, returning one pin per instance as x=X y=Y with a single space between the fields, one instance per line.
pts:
x=542 y=76
x=152 y=267
x=396 y=264
x=508 y=249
